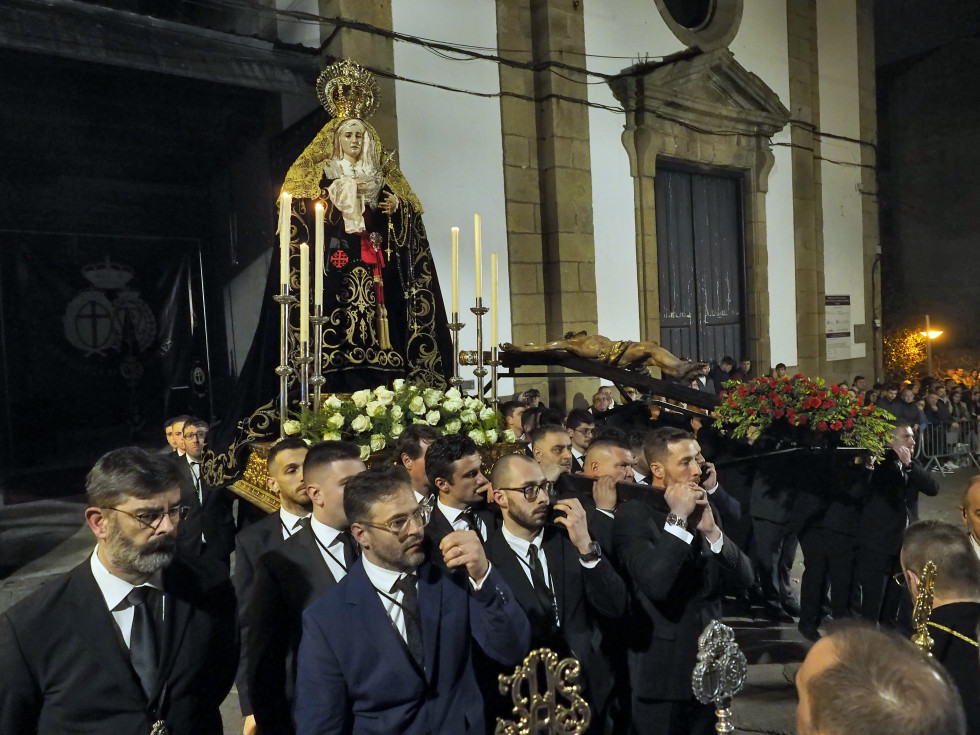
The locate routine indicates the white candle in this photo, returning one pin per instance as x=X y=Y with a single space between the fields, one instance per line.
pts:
x=455 y=238
x=478 y=245
x=285 y=203
x=304 y=294
x=493 y=300
x=318 y=257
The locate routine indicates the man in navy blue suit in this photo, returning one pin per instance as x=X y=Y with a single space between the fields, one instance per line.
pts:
x=388 y=649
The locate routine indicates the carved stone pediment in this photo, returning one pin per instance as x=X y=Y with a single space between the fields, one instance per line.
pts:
x=710 y=91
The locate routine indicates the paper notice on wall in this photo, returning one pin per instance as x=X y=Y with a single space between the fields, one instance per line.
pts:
x=838 y=320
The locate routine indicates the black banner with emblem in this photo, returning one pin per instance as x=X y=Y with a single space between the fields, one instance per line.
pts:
x=102 y=338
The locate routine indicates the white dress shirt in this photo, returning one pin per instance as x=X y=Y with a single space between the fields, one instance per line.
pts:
x=195 y=467
x=580 y=456
x=331 y=547
x=289 y=522
x=459 y=524
x=383 y=580
x=114 y=591
x=975 y=545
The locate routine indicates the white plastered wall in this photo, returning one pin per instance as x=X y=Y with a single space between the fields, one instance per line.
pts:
x=843 y=235
x=451 y=148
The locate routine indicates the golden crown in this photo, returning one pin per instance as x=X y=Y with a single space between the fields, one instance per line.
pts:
x=347 y=90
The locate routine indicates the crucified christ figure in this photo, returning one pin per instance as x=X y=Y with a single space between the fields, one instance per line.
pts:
x=623 y=353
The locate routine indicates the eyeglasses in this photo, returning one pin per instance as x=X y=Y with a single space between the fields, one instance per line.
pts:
x=900 y=579
x=399 y=524
x=153 y=519
x=585 y=432
x=192 y=435
x=531 y=491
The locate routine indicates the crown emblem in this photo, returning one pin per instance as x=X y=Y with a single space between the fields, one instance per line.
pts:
x=347 y=90
x=107 y=275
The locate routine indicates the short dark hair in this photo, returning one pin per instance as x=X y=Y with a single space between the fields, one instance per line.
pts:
x=857 y=378
x=531 y=393
x=551 y=416
x=194 y=421
x=611 y=433
x=948 y=547
x=902 y=424
x=170 y=422
x=529 y=419
x=600 y=444
x=284 y=445
x=781 y=365
x=658 y=442
x=324 y=453
x=881 y=683
x=365 y=490
x=577 y=417
x=182 y=419
x=728 y=360
x=129 y=472
x=410 y=441
x=443 y=454
x=542 y=431
x=507 y=408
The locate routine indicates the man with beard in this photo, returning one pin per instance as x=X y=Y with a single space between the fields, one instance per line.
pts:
x=673 y=553
x=388 y=649
x=285 y=466
x=289 y=578
x=557 y=572
x=552 y=449
x=131 y=637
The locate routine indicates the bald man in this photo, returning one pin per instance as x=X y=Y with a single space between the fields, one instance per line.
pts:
x=970 y=510
x=861 y=681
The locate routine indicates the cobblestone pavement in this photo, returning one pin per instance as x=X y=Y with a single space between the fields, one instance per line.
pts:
x=42 y=539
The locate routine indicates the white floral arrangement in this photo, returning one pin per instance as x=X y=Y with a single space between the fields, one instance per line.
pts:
x=374 y=419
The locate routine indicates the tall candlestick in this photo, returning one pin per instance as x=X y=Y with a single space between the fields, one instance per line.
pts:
x=455 y=237
x=493 y=300
x=318 y=257
x=478 y=243
x=285 y=204
x=304 y=294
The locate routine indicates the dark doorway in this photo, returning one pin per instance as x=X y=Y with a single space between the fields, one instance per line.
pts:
x=700 y=260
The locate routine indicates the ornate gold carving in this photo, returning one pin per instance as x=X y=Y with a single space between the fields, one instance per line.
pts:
x=252 y=485
x=553 y=701
x=222 y=469
x=923 y=608
x=346 y=89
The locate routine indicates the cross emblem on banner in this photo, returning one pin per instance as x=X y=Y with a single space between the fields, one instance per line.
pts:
x=338 y=259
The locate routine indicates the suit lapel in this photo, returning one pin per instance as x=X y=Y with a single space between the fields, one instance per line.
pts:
x=177 y=614
x=513 y=572
x=430 y=612
x=555 y=554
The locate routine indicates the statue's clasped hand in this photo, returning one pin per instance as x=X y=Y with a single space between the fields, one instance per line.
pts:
x=390 y=204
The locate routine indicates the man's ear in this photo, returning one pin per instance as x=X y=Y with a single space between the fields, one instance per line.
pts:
x=498 y=497
x=406 y=461
x=536 y=451
x=359 y=533
x=963 y=512
x=272 y=485
x=97 y=520
x=442 y=485
x=657 y=470
x=314 y=492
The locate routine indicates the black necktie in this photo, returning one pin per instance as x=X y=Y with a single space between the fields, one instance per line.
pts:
x=143 y=650
x=349 y=547
x=196 y=472
x=541 y=589
x=471 y=520
x=302 y=523
x=407 y=585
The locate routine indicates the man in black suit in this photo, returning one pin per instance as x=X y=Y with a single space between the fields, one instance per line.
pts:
x=133 y=635
x=168 y=430
x=580 y=425
x=289 y=578
x=453 y=465
x=410 y=450
x=390 y=648
x=178 y=435
x=557 y=572
x=955 y=603
x=209 y=529
x=285 y=468
x=673 y=553
x=892 y=504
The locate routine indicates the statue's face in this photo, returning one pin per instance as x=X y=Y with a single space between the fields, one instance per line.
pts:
x=352 y=141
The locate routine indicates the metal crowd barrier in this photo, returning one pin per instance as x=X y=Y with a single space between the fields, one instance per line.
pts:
x=940 y=447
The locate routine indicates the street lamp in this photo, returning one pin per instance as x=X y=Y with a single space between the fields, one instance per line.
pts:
x=930 y=335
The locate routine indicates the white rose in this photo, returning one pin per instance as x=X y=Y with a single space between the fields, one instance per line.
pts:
x=365 y=452
x=291 y=427
x=474 y=404
x=417 y=406
x=452 y=405
x=374 y=409
x=432 y=397
x=487 y=413
x=361 y=398
x=377 y=442
x=477 y=436
x=453 y=394
x=396 y=430
x=509 y=435
x=396 y=412
x=331 y=436
x=360 y=424
x=336 y=421
x=384 y=396
x=468 y=416
x=491 y=436
x=454 y=426
x=398 y=384
x=433 y=417
x=333 y=403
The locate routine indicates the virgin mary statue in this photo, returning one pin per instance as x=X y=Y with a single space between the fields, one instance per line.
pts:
x=383 y=312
